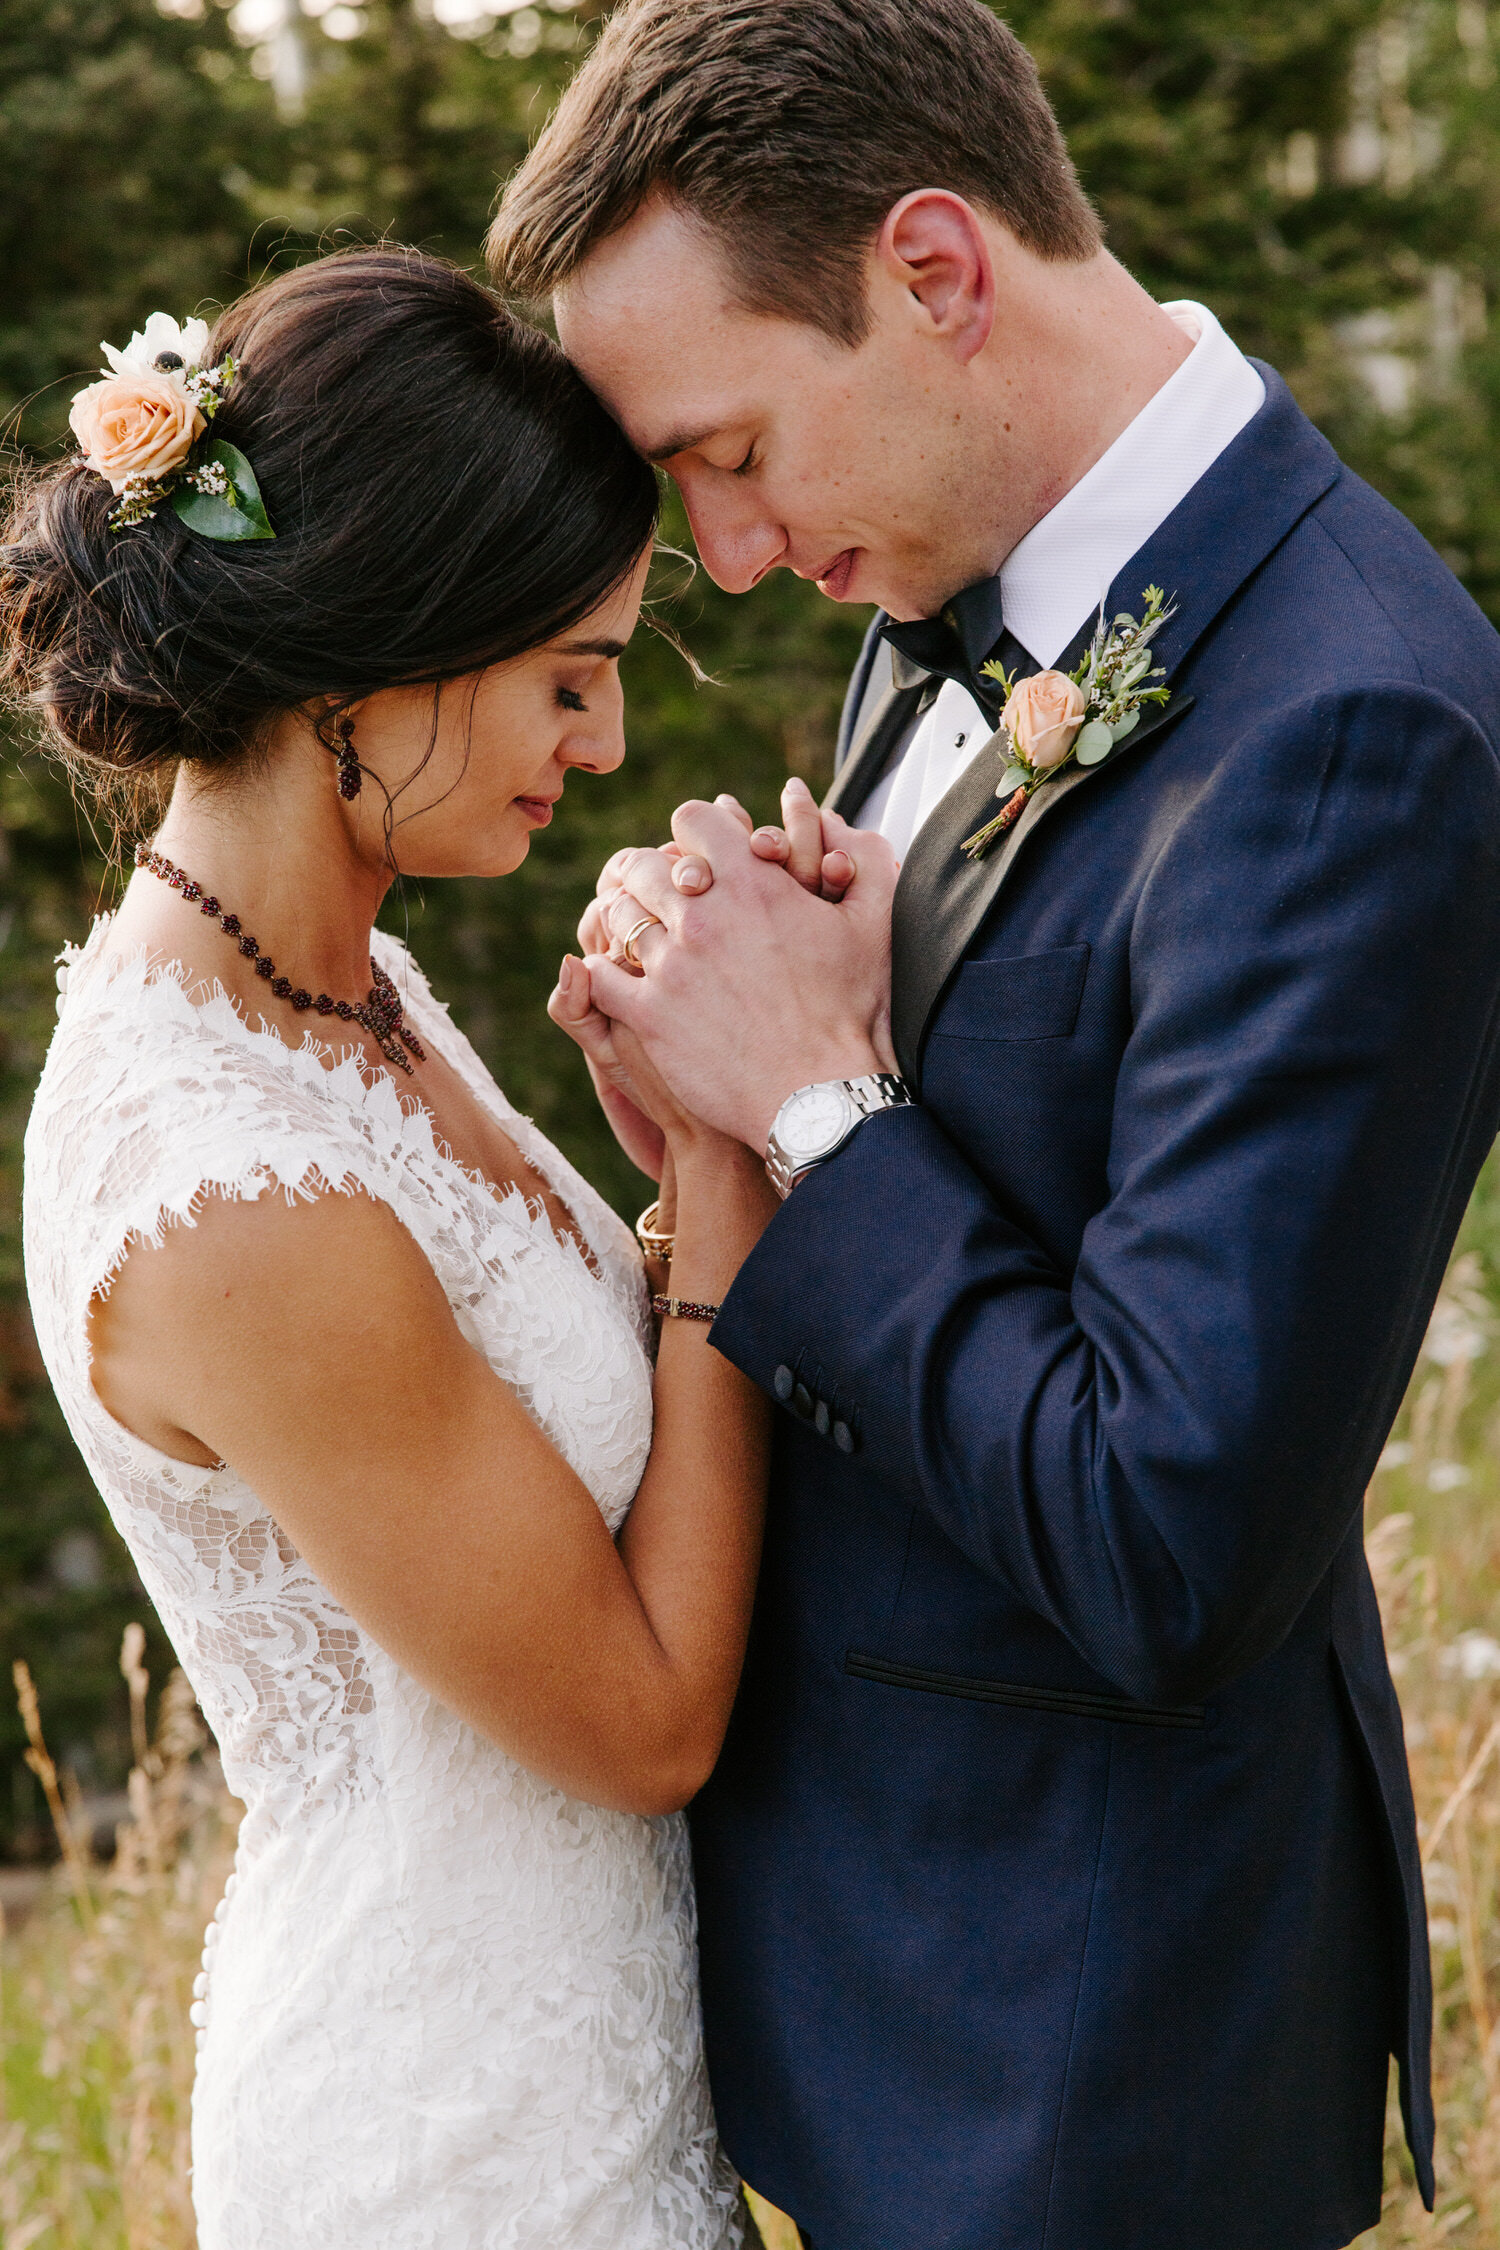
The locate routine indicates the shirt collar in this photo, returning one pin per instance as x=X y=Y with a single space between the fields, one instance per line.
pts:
x=1060 y=572
x=1056 y=576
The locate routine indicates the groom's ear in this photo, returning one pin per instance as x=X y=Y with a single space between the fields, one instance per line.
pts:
x=933 y=248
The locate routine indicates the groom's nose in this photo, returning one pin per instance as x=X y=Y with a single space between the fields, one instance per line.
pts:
x=737 y=541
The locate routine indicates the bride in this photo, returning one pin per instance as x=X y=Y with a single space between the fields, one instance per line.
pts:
x=361 y=1366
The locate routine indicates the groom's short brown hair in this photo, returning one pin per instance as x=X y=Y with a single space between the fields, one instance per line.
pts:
x=789 y=128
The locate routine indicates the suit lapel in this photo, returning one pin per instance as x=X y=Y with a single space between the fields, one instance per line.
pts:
x=870 y=749
x=943 y=897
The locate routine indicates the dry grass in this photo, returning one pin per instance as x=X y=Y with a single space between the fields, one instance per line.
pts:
x=1434 y=1544
x=97 y=1983
x=776 y=2230
x=97 y=2057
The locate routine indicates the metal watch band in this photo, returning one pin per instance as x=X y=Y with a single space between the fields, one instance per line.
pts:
x=880 y=1089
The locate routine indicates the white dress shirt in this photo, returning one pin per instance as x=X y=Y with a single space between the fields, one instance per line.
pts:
x=1054 y=578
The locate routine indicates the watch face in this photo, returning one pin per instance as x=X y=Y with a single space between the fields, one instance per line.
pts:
x=814 y=1121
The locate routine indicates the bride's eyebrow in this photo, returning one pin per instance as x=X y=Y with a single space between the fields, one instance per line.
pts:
x=607 y=649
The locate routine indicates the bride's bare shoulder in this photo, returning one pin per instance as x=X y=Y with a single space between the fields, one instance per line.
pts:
x=257 y=1299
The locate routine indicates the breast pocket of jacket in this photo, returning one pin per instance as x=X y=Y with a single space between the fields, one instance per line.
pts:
x=1025 y=996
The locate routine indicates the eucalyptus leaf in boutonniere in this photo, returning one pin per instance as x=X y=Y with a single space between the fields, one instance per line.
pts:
x=1055 y=717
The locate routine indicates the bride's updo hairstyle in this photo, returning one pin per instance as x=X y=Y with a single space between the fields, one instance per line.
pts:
x=445 y=492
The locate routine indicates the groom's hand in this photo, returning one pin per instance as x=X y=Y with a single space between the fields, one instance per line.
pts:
x=752 y=987
x=803 y=846
x=800 y=845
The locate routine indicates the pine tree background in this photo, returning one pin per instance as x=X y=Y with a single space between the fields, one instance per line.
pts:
x=1321 y=172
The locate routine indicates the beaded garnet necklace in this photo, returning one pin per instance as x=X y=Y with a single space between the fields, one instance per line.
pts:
x=380 y=1015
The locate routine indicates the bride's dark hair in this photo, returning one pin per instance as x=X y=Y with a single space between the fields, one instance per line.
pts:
x=446 y=493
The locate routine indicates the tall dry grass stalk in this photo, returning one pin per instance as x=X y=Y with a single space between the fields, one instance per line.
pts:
x=776 y=2229
x=1450 y=1692
x=1435 y=1558
x=94 y=1997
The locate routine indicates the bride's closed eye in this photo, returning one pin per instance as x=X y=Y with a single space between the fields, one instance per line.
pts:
x=570 y=699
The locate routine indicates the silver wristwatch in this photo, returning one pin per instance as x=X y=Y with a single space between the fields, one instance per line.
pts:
x=814 y=1123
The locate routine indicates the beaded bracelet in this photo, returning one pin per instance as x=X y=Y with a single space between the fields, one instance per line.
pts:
x=683 y=1308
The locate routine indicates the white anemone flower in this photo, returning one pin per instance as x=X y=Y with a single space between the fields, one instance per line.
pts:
x=161 y=334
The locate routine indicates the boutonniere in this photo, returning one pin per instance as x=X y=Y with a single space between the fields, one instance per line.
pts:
x=1079 y=715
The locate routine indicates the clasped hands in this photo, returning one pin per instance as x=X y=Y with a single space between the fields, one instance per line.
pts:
x=763 y=965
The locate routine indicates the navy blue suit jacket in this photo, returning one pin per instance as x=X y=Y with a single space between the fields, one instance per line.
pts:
x=1059 y=1883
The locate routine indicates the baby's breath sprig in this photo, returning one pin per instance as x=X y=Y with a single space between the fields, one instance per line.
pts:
x=138 y=498
x=207 y=386
x=213 y=478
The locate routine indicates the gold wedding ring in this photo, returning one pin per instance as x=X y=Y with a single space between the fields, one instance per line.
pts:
x=628 y=947
x=654 y=1243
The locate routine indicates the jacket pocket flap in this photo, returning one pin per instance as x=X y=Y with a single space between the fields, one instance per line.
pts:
x=1027 y=996
x=1076 y=1703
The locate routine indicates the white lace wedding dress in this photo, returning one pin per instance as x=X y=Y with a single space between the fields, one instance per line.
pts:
x=442 y=2004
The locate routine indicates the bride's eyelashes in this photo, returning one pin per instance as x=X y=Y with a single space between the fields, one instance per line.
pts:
x=570 y=699
x=743 y=468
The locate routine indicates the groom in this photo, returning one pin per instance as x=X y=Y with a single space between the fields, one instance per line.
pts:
x=1059 y=1884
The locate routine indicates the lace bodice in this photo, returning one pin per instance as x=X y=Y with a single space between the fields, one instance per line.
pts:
x=412 y=1873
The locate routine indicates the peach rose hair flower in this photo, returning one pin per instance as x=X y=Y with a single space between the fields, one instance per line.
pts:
x=135 y=425
x=140 y=427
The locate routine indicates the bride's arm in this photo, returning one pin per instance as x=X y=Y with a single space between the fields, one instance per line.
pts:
x=310 y=1345
x=691 y=1543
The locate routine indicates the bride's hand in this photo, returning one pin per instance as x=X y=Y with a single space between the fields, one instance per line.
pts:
x=645 y=1116
x=571 y=1009
x=594 y=934
x=690 y=875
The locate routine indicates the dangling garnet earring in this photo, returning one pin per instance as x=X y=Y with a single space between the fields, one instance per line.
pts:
x=350 y=776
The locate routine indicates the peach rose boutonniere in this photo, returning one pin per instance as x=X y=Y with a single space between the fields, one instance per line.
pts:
x=141 y=429
x=1054 y=717
x=1042 y=716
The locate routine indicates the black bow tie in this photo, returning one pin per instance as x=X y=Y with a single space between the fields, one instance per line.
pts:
x=952 y=646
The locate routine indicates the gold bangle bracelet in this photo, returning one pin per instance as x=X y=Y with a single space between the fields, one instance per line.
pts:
x=653 y=1242
x=683 y=1308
